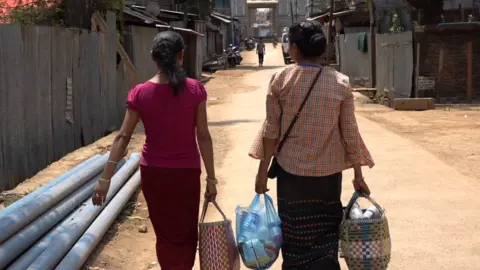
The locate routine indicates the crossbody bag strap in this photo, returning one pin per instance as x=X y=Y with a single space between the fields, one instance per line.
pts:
x=297 y=115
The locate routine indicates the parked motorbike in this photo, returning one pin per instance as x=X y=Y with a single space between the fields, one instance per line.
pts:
x=249 y=44
x=238 y=55
x=231 y=57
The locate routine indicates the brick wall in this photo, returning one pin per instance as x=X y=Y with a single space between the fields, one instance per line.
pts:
x=452 y=82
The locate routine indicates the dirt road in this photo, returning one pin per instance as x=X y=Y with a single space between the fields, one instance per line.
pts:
x=430 y=196
x=431 y=206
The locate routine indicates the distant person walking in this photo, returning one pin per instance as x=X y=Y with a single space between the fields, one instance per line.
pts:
x=260 y=51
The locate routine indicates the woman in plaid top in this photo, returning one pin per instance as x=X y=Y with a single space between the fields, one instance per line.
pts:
x=324 y=141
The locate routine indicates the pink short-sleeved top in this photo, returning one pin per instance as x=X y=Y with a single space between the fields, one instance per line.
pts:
x=170 y=123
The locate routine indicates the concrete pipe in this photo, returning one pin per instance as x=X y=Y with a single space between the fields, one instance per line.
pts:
x=76 y=226
x=29 y=257
x=14 y=206
x=28 y=212
x=18 y=243
x=80 y=252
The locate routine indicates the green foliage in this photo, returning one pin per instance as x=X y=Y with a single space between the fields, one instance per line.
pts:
x=396 y=25
x=113 y=5
x=33 y=12
x=48 y=12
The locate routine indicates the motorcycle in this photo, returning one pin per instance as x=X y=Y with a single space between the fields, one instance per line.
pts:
x=231 y=57
x=238 y=55
x=249 y=44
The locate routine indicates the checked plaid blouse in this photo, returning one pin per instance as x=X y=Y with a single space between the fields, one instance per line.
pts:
x=325 y=139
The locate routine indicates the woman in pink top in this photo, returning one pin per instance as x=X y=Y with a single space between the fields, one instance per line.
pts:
x=173 y=111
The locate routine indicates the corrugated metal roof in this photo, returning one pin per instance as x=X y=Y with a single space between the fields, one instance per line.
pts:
x=224 y=16
x=335 y=14
x=141 y=16
x=212 y=26
x=220 y=18
x=178 y=12
x=179 y=29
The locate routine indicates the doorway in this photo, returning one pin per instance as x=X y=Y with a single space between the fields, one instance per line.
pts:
x=262 y=22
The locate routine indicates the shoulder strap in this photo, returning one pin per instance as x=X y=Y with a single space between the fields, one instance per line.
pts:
x=294 y=120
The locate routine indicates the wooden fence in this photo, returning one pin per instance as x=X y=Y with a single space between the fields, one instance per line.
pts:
x=58 y=92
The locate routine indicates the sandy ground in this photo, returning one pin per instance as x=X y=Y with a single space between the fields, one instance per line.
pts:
x=426 y=175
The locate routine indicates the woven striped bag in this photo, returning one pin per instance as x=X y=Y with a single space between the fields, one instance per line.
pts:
x=217 y=247
x=365 y=243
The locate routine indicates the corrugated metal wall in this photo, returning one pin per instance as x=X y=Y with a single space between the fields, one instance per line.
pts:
x=394 y=65
x=201 y=27
x=58 y=92
x=142 y=39
x=353 y=62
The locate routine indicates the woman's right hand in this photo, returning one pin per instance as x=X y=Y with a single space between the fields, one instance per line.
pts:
x=211 y=190
x=359 y=184
x=100 y=192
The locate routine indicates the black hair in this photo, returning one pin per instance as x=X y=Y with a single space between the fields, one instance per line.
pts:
x=166 y=47
x=309 y=38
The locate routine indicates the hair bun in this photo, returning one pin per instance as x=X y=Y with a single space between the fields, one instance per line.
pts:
x=317 y=38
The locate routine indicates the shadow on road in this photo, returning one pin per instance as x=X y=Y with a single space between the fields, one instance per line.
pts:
x=252 y=67
x=232 y=122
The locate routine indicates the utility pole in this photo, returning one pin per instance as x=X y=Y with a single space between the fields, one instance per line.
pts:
x=373 y=49
x=233 y=24
x=296 y=10
x=291 y=12
x=329 y=33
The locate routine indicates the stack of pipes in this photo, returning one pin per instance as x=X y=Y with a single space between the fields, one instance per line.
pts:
x=57 y=226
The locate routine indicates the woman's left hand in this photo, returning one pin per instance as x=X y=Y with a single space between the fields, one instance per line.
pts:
x=261 y=182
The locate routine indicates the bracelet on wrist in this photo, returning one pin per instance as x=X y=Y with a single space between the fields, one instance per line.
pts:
x=104 y=180
x=212 y=180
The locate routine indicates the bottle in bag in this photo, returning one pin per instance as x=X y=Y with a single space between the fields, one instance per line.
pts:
x=356 y=212
x=250 y=225
x=254 y=254
x=372 y=212
x=276 y=235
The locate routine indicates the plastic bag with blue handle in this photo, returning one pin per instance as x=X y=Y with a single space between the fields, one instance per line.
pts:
x=259 y=234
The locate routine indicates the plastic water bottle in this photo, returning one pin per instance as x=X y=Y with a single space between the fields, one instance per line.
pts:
x=276 y=235
x=250 y=225
x=263 y=233
x=372 y=212
x=356 y=212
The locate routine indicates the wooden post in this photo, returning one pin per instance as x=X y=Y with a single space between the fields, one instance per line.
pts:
x=462 y=13
x=296 y=10
x=291 y=12
x=372 y=45
x=329 y=33
x=417 y=70
x=440 y=71
x=469 y=72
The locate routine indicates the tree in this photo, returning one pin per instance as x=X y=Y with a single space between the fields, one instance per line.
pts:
x=31 y=12
x=432 y=10
x=78 y=14
x=202 y=7
x=70 y=13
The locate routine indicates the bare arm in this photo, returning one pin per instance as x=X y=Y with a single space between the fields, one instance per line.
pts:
x=205 y=140
x=351 y=134
x=271 y=131
x=120 y=142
